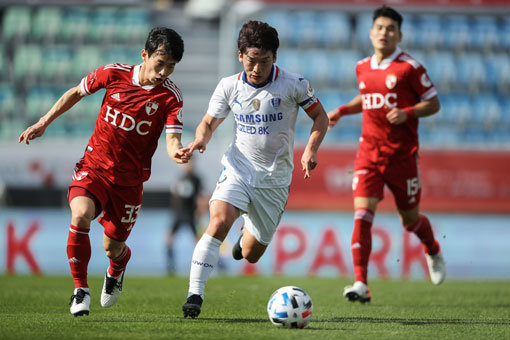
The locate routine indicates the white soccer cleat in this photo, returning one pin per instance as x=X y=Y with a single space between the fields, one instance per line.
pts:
x=437 y=268
x=112 y=287
x=359 y=291
x=80 y=302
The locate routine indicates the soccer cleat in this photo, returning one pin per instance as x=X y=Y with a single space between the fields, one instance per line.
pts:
x=437 y=268
x=112 y=288
x=192 y=306
x=357 y=292
x=237 y=251
x=80 y=302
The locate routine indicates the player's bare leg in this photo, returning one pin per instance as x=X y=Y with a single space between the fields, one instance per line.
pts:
x=248 y=247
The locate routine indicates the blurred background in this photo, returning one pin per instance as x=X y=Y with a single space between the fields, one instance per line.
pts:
x=46 y=47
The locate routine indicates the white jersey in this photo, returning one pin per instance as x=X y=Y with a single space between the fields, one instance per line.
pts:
x=265 y=119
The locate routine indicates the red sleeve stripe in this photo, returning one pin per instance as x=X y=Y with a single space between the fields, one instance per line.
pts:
x=173 y=129
x=276 y=70
x=313 y=106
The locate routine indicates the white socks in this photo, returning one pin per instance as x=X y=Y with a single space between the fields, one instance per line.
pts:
x=205 y=258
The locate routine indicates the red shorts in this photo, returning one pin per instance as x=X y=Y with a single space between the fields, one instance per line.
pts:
x=402 y=177
x=120 y=204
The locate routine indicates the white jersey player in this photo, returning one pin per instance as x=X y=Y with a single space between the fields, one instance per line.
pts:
x=265 y=101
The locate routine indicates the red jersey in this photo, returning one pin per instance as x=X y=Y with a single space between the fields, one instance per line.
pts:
x=129 y=124
x=398 y=81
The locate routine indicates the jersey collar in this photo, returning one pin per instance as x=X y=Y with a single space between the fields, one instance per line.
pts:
x=385 y=62
x=272 y=77
x=136 y=78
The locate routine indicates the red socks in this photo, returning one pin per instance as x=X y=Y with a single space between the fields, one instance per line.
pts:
x=78 y=254
x=423 y=230
x=361 y=243
x=118 y=265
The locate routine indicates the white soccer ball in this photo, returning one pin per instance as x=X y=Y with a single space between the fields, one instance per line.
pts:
x=290 y=307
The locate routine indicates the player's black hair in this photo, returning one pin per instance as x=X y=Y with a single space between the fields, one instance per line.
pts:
x=170 y=39
x=388 y=12
x=259 y=35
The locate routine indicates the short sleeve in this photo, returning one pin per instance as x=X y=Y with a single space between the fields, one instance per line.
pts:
x=218 y=105
x=174 y=119
x=95 y=80
x=305 y=95
x=422 y=84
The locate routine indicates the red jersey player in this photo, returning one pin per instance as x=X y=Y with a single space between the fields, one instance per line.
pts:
x=395 y=92
x=140 y=102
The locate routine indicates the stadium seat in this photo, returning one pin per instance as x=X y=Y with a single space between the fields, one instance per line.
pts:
x=279 y=19
x=441 y=69
x=457 y=33
x=86 y=59
x=133 y=25
x=103 y=24
x=11 y=129
x=38 y=101
x=57 y=64
x=303 y=32
x=342 y=66
x=504 y=33
x=289 y=59
x=333 y=29
x=486 y=111
x=7 y=102
x=484 y=33
x=27 y=62
x=122 y=55
x=314 y=66
x=363 y=26
x=3 y=64
x=497 y=67
x=46 y=23
x=74 y=24
x=16 y=23
x=430 y=31
x=409 y=31
x=471 y=71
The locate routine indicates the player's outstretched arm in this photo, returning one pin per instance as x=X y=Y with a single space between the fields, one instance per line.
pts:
x=175 y=150
x=204 y=133
x=67 y=101
x=423 y=109
x=353 y=107
x=319 y=129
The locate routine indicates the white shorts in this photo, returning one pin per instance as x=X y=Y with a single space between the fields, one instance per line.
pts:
x=261 y=208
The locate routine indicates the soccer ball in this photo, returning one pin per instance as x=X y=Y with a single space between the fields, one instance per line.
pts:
x=290 y=307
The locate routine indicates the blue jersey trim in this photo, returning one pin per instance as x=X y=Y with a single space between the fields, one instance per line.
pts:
x=269 y=79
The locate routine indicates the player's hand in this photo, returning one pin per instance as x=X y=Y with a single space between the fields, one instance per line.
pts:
x=33 y=132
x=181 y=156
x=308 y=162
x=196 y=145
x=396 y=116
x=334 y=117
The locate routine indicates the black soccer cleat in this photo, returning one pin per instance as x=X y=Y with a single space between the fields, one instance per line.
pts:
x=237 y=251
x=192 y=306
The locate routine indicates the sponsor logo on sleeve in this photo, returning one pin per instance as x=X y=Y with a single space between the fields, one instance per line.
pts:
x=425 y=81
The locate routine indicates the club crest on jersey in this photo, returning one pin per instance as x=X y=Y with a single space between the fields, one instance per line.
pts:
x=151 y=108
x=256 y=104
x=362 y=85
x=78 y=176
x=276 y=102
x=391 y=81
x=116 y=96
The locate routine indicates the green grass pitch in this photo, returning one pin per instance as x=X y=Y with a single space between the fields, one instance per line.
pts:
x=235 y=308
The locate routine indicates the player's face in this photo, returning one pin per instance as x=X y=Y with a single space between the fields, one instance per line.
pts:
x=385 y=35
x=157 y=67
x=257 y=64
